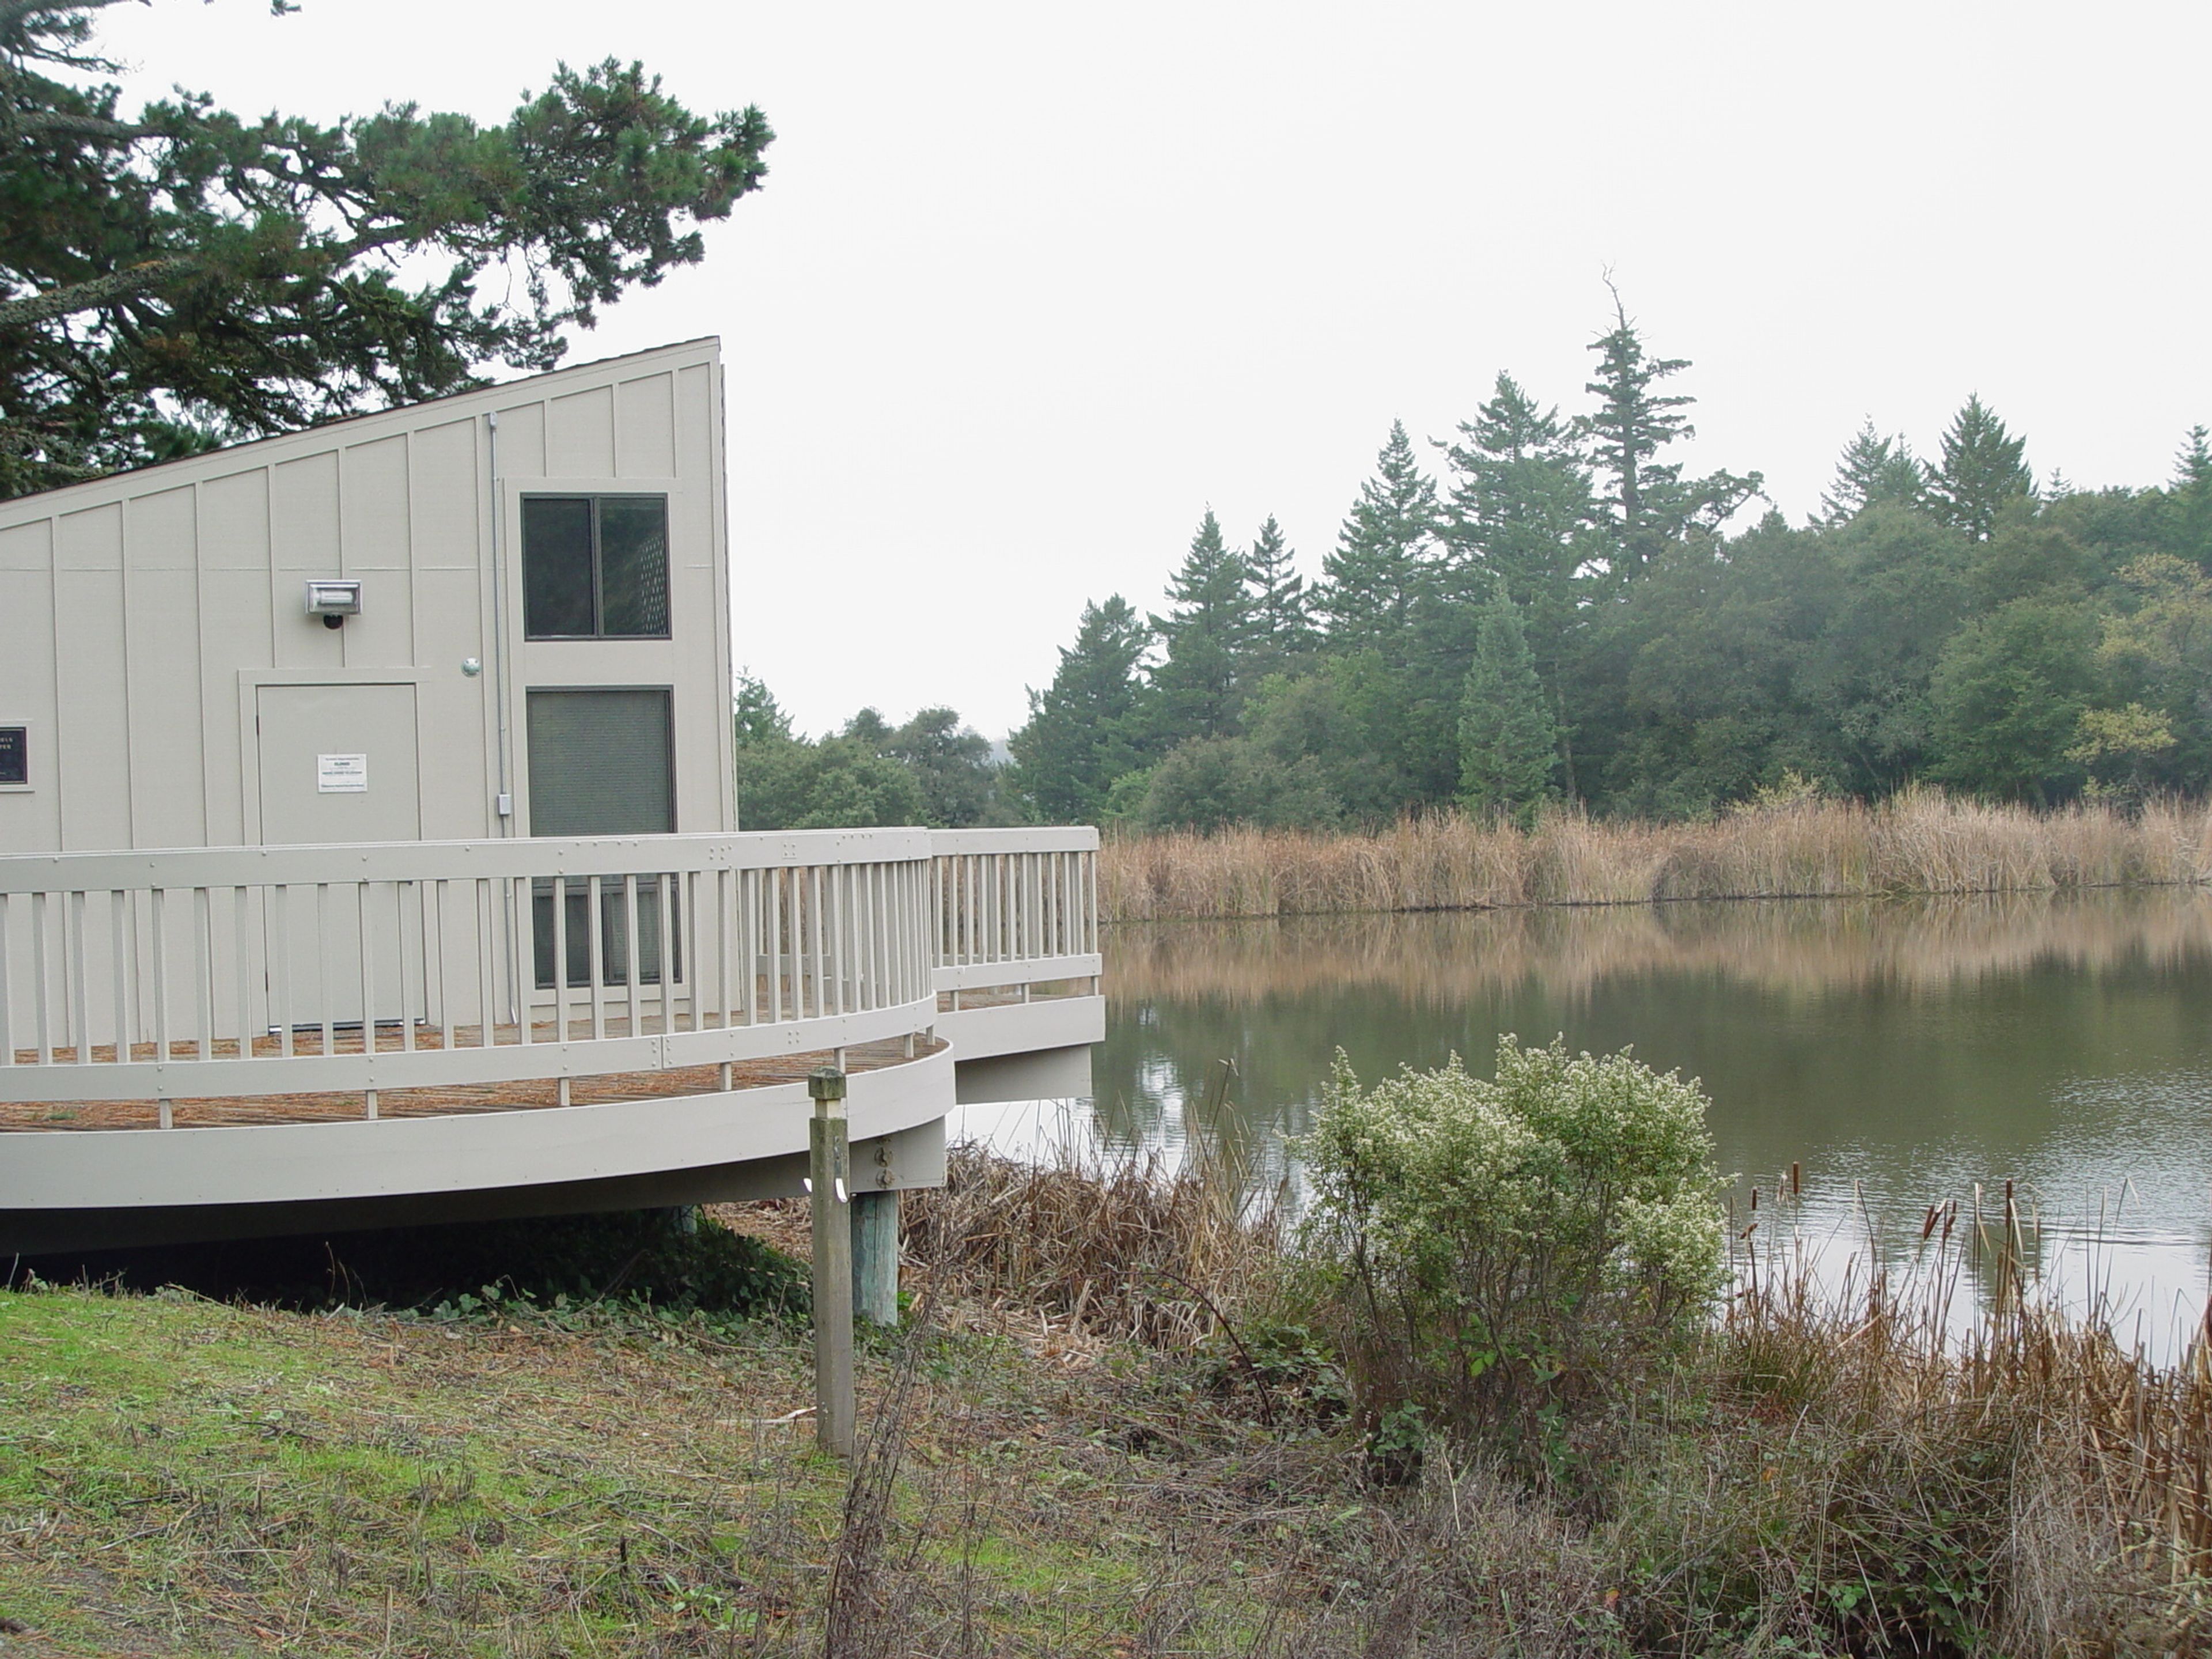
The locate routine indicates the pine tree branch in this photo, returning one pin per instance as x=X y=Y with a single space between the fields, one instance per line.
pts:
x=83 y=126
x=13 y=13
x=152 y=275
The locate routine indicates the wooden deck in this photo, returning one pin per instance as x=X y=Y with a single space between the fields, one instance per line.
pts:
x=528 y=1096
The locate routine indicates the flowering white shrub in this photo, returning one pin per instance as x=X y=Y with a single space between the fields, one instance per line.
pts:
x=1493 y=1239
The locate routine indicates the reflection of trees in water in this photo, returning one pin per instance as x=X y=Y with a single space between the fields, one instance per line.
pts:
x=1918 y=1045
x=1807 y=945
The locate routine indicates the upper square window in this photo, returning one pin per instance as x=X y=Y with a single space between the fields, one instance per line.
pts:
x=595 y=566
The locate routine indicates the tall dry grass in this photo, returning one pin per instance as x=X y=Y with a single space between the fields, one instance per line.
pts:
x=1928 y=1458
x=1920 y=840
x=1115 y=1244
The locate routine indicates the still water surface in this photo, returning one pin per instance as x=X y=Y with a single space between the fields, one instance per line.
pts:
x=1899 y=1052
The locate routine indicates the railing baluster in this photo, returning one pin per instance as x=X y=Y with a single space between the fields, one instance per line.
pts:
x=729 y=889
x=204 y=970
x=75 y=1001
x=161 y=967
x=663 y=907
x=694 y=984
x=485 y=922
x=773 y=940
x=560 y=958
x=241 y=927
x=447 y=1036
x=366 y=944
x=840 y=948
x=42 y=1015
x=632 y=969
x=595 y=947
x=514 y=893
x=400 y=889
x=749 y=912
x=326 y=979
x=117 y=942
x=280 y=976
x=815 y=954
x=878 y=878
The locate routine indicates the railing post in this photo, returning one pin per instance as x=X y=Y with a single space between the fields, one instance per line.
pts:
x=830 y=1172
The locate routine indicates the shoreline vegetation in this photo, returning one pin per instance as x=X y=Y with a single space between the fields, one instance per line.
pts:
x=1134 y=1413
x=1918 y=841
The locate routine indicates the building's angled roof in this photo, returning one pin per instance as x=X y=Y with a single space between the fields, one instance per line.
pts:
x=50 y=501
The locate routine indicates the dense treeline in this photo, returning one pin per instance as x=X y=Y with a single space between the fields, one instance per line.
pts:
x=1559 y=615
x=932 y=770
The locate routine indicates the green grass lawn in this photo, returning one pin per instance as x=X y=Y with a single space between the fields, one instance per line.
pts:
x=178 y=1475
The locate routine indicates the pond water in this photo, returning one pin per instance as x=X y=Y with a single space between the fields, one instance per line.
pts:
x=1898 y=1052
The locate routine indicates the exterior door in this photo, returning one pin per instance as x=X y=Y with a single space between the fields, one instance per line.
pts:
x=338 y=763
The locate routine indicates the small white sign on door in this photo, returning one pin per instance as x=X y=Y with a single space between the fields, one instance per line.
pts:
x=341 y=775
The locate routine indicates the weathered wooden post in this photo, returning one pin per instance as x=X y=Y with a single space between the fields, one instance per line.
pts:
x=831 y=1173
x=875 y=1256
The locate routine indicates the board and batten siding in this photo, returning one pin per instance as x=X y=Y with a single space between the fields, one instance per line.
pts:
x=140 y=614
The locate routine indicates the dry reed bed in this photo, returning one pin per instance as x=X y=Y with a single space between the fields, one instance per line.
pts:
x=2029 y=1472
x=2081 y=1472
x=1113 y=1245
x=1920 y=840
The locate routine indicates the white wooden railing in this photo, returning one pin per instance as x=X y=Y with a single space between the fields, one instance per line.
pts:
x=262 y=970
x=255 y=971
x=1014 y=907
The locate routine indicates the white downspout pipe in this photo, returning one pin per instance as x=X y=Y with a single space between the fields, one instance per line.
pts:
x=503 y=804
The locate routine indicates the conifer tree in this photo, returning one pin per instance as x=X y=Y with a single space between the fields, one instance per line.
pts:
x=1087 y=728
x=1648 y=502
x=1279 y=601
x=1208 y=635
x=1520 y=509
x=2191 y=495
x=1981 y=470
x=1508 y=743
x=1871 y=469
x=757 y=715
x=1371 y=578
x=176 y=276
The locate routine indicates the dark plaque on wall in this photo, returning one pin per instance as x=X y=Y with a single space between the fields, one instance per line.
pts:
x=14 y=754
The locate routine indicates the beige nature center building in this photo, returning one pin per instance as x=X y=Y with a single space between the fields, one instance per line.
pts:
x=369 y=846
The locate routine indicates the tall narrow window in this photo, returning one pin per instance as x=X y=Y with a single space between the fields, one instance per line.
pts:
x=602 y=763
x=595 y=566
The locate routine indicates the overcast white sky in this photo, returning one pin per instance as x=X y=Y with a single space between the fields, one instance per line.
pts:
x=1030 y=285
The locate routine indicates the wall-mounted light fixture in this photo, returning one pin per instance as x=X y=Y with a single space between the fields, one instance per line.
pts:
x=333 y=601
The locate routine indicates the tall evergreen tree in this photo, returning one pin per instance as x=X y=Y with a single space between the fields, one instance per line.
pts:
x=1508 y=744
x=1372 y=578
x=1207 y=635
x=757 y=716
x=1520 y=507
x=1279 y=603
x=1087 y=728
x=1871 y=469
x=1647 y=501
x=2191 y=495
x=1980 y=471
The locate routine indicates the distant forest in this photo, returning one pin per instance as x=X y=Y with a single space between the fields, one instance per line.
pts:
x=1546 y=609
